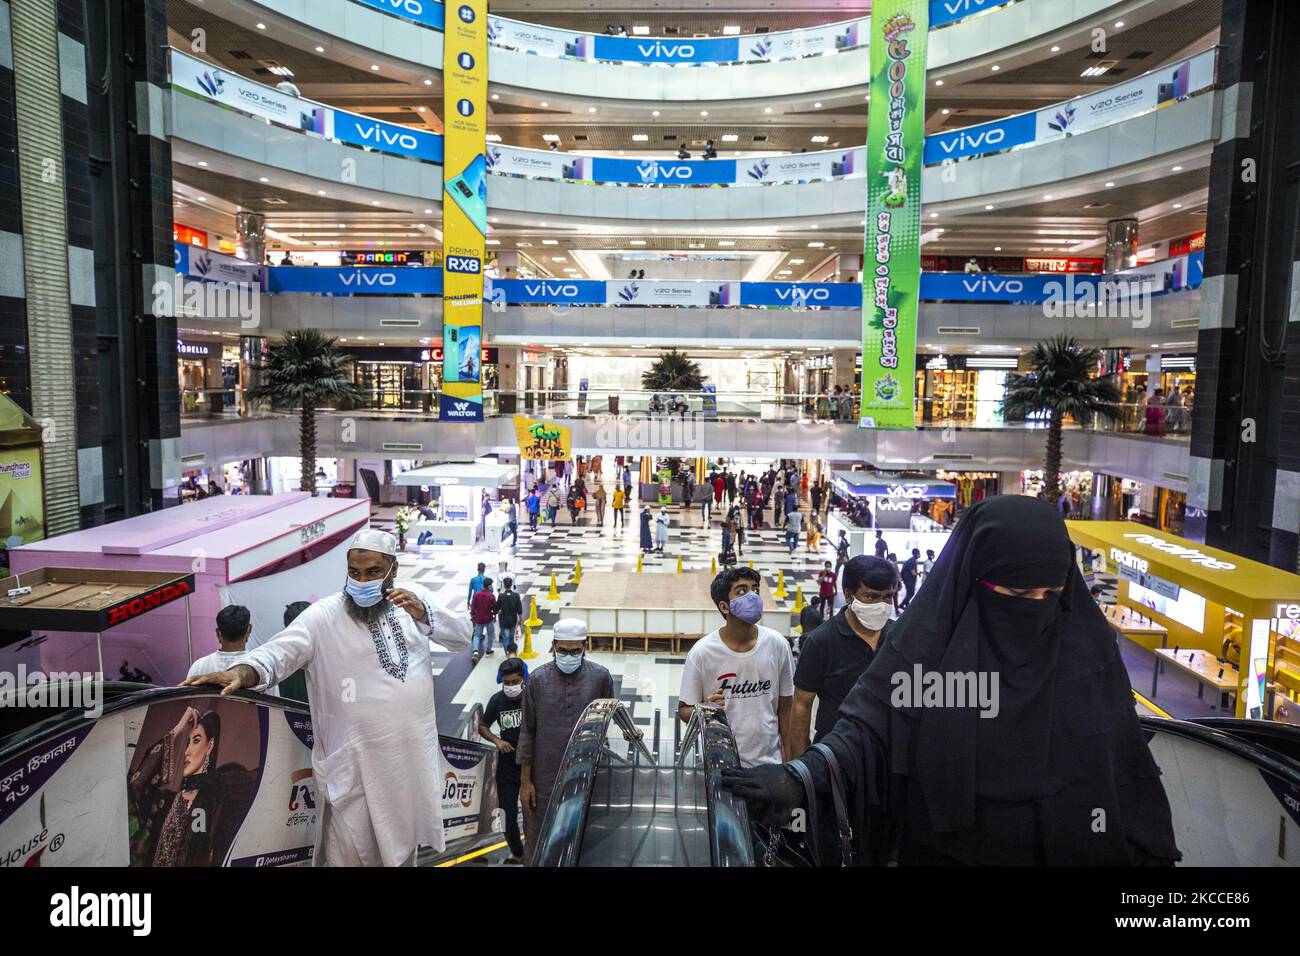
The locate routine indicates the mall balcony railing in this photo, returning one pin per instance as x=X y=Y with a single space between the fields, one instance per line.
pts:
x=731 y=406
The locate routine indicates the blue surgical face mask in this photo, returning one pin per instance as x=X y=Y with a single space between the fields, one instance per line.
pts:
x=366 y=593
x=748 y=607
x=568 y=663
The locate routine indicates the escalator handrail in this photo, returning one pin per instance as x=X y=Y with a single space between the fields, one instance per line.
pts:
x=729 y=829
x=1280 y=738
x=1280 y=766
x=560 y=835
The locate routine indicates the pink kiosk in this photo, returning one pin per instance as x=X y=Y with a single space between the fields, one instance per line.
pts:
x=261 y=550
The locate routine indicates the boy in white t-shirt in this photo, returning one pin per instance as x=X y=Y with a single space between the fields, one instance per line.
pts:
x=745 y=667
x=234 y=624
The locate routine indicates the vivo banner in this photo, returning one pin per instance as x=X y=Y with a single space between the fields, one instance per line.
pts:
x=540 y=163
x=366 y=280
x=644 y=292
x=827 y=295
x=544 y=41
x=387 y=137
x=196 y=263
x=550 y=291
x=667 y=49
x=943 y=12
x=802 y=167
x=795 y=44
x=424 y=12
x=230 y=89
x=1014 y=131
x=709 y=172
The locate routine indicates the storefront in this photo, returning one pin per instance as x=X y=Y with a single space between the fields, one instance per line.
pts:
x=406 y=379
x=457 y=492
x=972 y=486
x=960 y=388
x=1231 y=623
x=1076 y=487
x=913 y=511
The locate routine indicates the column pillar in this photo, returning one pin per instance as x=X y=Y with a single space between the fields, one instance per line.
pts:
x=1121 y=244
x=250 y=236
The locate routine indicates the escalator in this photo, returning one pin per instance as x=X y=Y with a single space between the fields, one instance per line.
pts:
x=615 y=803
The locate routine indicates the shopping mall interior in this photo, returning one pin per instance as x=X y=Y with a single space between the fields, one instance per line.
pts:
x=622 y=304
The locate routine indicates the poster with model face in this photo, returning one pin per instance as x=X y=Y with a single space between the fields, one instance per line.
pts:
x=891 y=274
x=193 y=769
x=62 y=802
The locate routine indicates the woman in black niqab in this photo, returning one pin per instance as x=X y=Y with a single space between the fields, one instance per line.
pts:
x=1057 y=774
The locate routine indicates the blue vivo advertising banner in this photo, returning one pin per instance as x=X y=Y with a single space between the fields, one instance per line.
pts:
x=684 y=171
x=949 y=11
x=427 y=12
x=387 y=137
x=550 y=291
x=829 y=295
x=985 y=138
x=371 y=280
x=667 y=49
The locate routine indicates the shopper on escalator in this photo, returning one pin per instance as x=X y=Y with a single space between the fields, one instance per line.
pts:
x=558 y=693
x=1045 y=764
x=744 y=667
x=506 y=710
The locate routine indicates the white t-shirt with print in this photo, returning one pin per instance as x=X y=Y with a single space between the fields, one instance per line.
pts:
x=219 y=661
x=753 y=684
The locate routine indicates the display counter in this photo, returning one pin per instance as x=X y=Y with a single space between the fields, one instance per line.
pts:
x=461 y=486
x=1221 y=619
x=900 y=541
x=443 y=534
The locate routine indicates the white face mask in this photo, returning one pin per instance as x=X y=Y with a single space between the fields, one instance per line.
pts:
x=871 y=616
x=513 y=690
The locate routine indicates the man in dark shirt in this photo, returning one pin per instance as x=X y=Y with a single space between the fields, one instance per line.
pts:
x=834 y=655
x=506 y=710
x=509 y=610
x=882 y=549
x=909 y=571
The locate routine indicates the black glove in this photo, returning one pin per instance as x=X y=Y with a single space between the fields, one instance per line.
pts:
x=772 y=791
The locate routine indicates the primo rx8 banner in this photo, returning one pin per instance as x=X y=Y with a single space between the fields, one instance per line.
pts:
x=891 y=266
x=464 y=209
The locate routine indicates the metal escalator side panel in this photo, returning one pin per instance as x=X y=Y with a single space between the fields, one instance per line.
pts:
x=1233 y=804
x=730 y=842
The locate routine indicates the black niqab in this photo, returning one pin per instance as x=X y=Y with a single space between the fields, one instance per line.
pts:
x=1062 y=774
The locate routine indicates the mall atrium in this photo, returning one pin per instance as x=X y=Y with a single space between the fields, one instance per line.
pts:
x=961 y=335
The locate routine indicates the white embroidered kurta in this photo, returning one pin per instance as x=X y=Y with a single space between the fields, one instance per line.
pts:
x=376 y=757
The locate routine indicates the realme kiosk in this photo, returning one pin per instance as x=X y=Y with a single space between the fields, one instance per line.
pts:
x=1222 y=612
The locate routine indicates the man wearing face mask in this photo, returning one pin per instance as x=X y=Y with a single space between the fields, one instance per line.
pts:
x=376 y=757
x=506 y=710
x=558 y=692
x=833 y=656
x=744 y=667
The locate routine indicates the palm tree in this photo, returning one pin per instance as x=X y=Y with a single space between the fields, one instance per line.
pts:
x=672 y=371
x=1060 y=385
x=303 y=370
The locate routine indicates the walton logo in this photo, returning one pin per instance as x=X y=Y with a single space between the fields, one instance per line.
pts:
x=368 y=277
x=989 y=284
x=386 y=136
x=666 y=51
x=460 y=406
x=733 y=686
x=972 y=142
x=629 y=292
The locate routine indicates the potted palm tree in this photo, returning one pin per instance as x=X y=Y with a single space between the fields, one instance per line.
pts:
x=672 y=371
x=1060 y=384
x=305 y=370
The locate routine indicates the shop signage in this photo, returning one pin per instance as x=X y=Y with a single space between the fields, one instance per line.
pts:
x=894 y=512
x=937 y=364
x=542 y=441
x=149 y=600
x=1192 y=243
x=1289 y=611
x=1128 y=559
x=891 y=275
x=464 y=209
x=384 y=257
x=191 y=237
x=191 y=348
x=1069 y=264
x=430 y=13
x=1178 y=551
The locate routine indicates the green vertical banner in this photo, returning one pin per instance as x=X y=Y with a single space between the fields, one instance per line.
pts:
x=891 y=265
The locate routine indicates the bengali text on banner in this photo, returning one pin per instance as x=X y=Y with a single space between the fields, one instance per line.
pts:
x=891 y=266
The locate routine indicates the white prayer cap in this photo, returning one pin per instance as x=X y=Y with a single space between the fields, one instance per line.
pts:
x=570 y=629
x=372 y=539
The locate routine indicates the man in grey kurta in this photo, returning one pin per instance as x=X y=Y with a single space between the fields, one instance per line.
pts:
x=555 y=696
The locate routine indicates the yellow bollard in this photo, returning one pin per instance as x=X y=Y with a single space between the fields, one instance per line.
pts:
x=577 y=573
x=780 y=584
x=554 y=594
x=751 y=564
x=638 y=563
x=798 y=599
x=713 y=565
x=679 y=564
x=533 y=619
x=528 y=653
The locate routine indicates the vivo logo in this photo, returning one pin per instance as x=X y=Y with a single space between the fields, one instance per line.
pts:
x=547 y=289
x=987 y=284
x=386 y=136
x=803 y=295
x=964 y=141
x=366 y=277
x=411 y=7
x=670 y=51
x=905 y=491
x=953 y=7
x=894 y=504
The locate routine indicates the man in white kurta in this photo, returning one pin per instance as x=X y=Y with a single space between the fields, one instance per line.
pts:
x=376 y=756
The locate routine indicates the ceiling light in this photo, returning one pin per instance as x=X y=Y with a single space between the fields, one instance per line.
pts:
x=816 y=245
x=374 y=66
x=1108 y=185
x=639 y=137
x=820 y=139
x=997 y=248
x=638 y=242
x=1048 y=196
x=1119 y=24
x=320 y=49
x=428 y=212
x=550 y=242
x=202 y=163
x=559 y=259
x=817 y=106
x=261 y=26
x=640 y=30
x=201 y=198
x=1178 y=205
x=591 y=109
x=1056 y=49
x=945 y=111
x=543 y=104
x=494 y=242
x=729 y=137
x=730 y=30
x=796 y=262
x=419 y=109
x=374 y=202
x=767 y=109
x=1177 y=169
x=265 y=180
x=988 y=207
x=428 y=82
x=654 y=112
x=496 y=96
x=996 y=67
x=934 y=215
x=704 y=112
x=493 y=137
x=938 y=82
x=726 y=242
x=551 y=137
